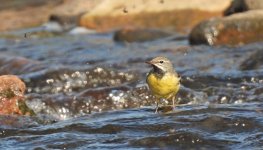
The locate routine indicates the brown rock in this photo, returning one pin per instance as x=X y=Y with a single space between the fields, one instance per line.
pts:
x=172 y=14
x=12 y=96
x=11 y=90
x=139 y=35
x=18 y=4
x=12 y=83
x=71 y=10
x=243 y=5
x=16 y=14
x=236 y=29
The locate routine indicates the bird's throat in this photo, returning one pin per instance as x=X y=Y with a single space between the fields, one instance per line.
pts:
x=158 y=72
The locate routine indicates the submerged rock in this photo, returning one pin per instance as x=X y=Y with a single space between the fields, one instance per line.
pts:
x=172 y=14
x=17 y=65
x=12 y=99
x=139 y=35
x=236 y=29
x=254 y=61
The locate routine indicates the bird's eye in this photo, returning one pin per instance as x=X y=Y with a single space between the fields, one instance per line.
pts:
x=161 y=61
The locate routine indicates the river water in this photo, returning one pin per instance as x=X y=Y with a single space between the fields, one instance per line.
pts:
x=89 y=92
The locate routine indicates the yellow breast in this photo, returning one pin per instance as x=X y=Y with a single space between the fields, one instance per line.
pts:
x=164 y=87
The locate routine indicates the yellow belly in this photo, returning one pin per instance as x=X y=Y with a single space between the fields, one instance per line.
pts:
x=166 y=87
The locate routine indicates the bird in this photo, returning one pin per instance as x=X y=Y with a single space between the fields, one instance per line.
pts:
x=163 y=81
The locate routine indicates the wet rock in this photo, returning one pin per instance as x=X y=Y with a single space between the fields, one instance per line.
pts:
x=17 y=14
x=243 y=5
x=69 y=12
x=172 y=14
x=189 y=96
x=64 y=80
x=139 y=35
x=254 y=61
x=12 y=96
x=63 y=106
x=237 y=29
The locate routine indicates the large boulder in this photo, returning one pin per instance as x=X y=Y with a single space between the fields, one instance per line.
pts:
x=12 y=99
x=237 y=29
x=18 y=14
x=176 y=15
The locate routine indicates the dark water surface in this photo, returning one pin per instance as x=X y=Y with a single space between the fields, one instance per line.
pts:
x=90 y=92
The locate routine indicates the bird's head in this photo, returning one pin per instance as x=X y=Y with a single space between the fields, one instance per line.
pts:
x=161 y=64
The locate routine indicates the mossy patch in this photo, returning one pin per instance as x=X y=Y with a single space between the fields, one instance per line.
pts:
x=25 y=110
x=7 y=94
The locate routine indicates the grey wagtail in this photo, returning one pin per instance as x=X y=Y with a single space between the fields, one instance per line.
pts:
x=162 y=80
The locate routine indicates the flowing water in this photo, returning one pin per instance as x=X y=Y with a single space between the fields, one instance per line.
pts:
x=89 y=92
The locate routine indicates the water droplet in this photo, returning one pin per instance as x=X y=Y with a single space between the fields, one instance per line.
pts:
x=48 y=81
x=243 y=87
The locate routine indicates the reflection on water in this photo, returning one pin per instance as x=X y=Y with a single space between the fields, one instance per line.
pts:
x=90 y=92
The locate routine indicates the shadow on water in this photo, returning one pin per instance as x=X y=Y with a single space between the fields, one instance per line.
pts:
x=90 y=92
